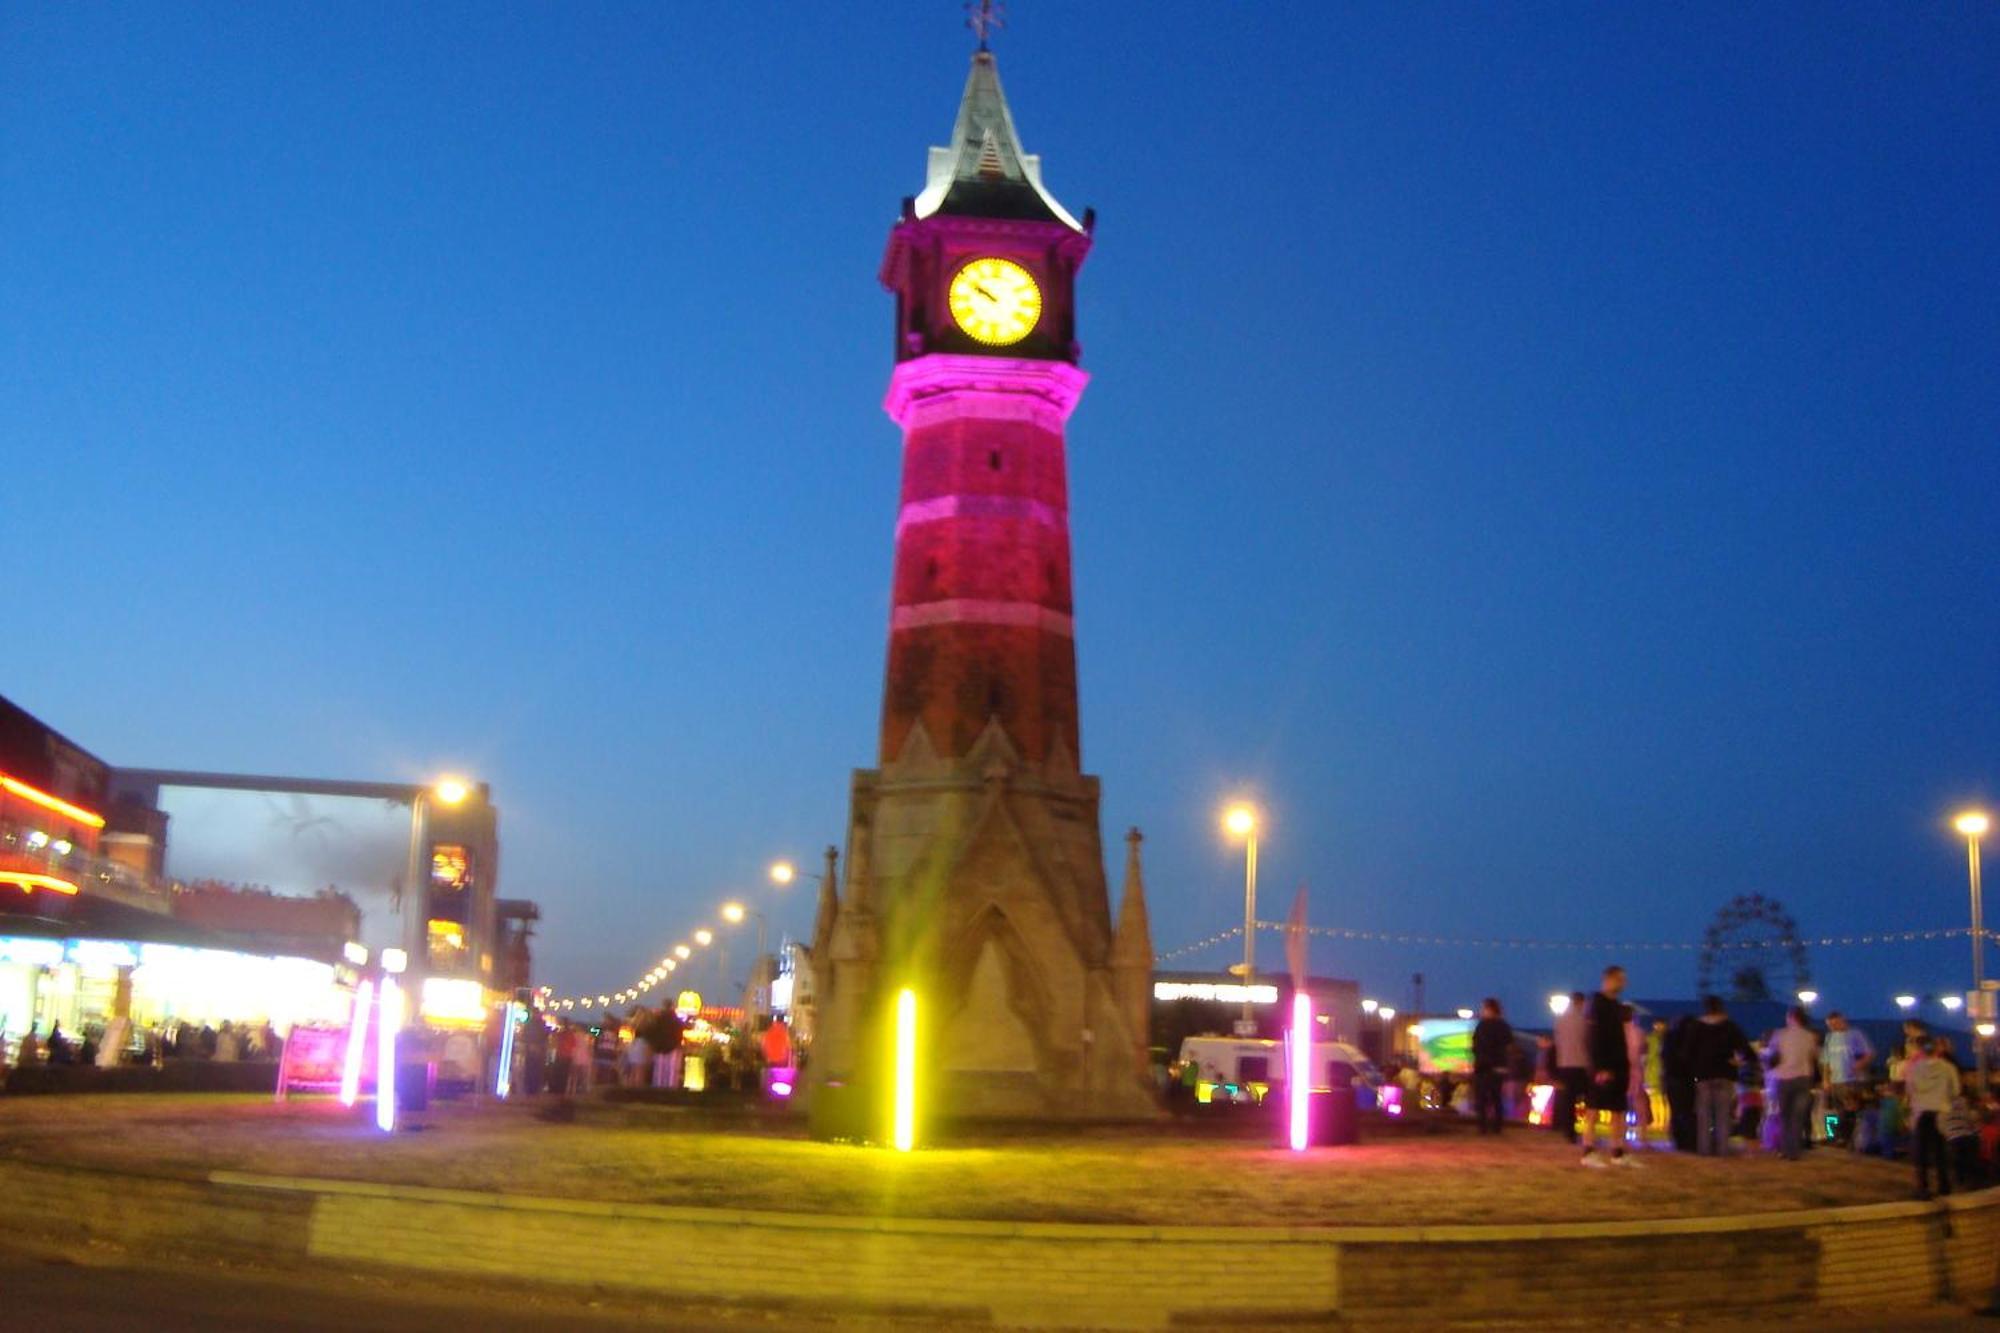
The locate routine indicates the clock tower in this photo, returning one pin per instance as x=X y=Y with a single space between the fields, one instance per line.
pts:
x=975 y=869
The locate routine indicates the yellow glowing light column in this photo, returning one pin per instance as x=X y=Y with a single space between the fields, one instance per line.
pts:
x=1973 y=824
x=903 y=1118
x=1240 y=821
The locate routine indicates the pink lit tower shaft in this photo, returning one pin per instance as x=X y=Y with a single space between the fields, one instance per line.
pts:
x=975 y=869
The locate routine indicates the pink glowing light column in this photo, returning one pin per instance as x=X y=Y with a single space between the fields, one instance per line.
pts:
x=357 y=1044
x=386 y=1023
x=1298 y=1080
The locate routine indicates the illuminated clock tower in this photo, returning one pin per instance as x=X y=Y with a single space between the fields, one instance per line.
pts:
x=975 y=869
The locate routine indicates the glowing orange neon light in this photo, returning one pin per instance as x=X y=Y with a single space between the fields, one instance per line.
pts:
x=29 y=883
x=16 y=787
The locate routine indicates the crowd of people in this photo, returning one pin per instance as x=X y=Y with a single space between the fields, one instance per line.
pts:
x=1713 y=1090
x=118 y=1041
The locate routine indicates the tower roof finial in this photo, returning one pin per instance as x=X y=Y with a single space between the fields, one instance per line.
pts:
x=984 y=172
x=985 y=18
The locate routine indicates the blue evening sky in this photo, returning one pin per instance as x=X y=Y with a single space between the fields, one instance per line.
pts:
x=1544 y=451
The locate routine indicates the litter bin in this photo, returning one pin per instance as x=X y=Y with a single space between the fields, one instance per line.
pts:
x=413 y=1085
x=1331 y=1118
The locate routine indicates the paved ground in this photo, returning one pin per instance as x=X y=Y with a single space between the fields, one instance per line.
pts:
x=1428 y=1171
x=63 y=1295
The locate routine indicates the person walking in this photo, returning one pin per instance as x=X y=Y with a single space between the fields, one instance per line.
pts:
x=1610 y=1066
x=1492 y=1051
x=1572 y=1064
x=1716 y=1050
x=1793 y=1051
x=1933 y=1083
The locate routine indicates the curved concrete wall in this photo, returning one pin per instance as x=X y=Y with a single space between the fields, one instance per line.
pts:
x=1053 y=1274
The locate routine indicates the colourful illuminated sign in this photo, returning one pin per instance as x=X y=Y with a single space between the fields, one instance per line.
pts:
x=453 y=1000
x=451 y=868
x=55 y=804
x=1228 y=992
x=29 y=883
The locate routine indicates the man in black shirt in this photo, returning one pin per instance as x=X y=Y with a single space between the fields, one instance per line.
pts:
x=1492 y=1052
x=1610 y=1069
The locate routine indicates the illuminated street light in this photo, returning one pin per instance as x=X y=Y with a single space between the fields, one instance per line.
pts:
x=1984 y=1029
x=1808 y=997
x=1369 y=1006
x=1906 y=1001
x=1559 y=1004
x=704 y=937
x=1953 y=1002
x=450 y=790
x=1240 y=821
x=783 y=872
x=732 y=913
x=1385 y=1013
x=1973 y=824
x=1465 y=1013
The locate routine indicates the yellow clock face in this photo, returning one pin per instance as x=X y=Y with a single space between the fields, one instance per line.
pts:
x=995 y=301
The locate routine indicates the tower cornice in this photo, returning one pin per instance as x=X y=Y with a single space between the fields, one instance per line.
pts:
x=946 y=385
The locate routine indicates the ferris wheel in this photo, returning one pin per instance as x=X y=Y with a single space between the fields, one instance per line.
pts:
x=1751 y=951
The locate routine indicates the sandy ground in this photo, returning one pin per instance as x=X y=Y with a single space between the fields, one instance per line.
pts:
x=1173 y=1174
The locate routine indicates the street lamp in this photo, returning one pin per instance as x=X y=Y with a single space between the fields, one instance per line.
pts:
x=1559 y=1004
x=1808 y=997
x=783 y=873
x=1369 y=1006
x=681 y=951
x=1240 y=821
x=1953 y=1003
x=1973 y=824
x=1906 y=1002
x=446 y=791
x=734 y=913
x=704 y=937
x=1465 y=1013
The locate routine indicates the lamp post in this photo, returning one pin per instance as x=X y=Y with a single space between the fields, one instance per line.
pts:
x=416 y=879
x=734 y=913
x=1240 y=821
x=1973 y=824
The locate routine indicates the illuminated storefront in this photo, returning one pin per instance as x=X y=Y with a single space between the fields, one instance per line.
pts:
x=79 y=983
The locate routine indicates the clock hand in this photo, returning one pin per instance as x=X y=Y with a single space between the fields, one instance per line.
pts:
x=983 y=292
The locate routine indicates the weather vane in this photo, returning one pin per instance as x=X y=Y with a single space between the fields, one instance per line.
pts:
x=985 y=18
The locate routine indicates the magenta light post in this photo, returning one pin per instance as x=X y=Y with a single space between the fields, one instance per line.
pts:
x=1299 y=1078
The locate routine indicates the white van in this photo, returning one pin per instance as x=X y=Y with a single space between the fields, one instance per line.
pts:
x=1244 y=1069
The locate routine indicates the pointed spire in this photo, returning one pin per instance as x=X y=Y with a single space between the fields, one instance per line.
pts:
x=828 y=911
x=984 y=173
x=1133 y=944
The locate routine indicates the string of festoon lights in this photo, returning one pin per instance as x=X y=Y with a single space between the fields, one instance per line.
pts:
x=653 y=979
x=1605 y=946
x=661 y=973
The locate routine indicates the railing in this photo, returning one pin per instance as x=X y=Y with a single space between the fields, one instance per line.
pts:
x=28 y=848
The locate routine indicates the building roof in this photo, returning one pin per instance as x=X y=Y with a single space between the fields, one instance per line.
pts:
x=984 y=173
